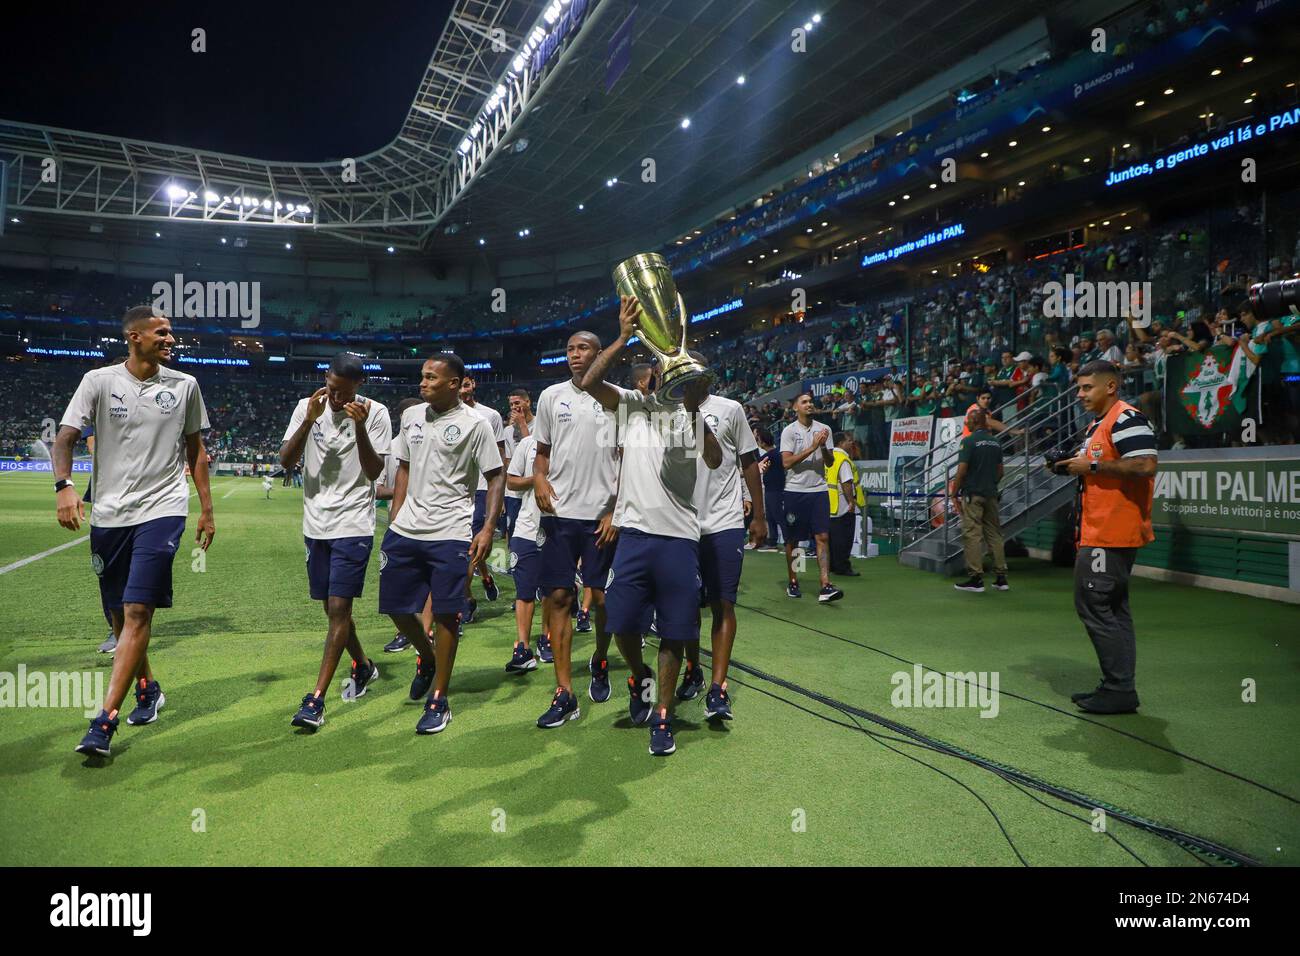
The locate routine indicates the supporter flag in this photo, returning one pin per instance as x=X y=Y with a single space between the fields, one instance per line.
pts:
x=1210 y=392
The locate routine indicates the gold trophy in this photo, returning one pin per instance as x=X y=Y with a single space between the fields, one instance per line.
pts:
x=661 y=320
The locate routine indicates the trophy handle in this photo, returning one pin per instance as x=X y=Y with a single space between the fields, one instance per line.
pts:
x=686 y=319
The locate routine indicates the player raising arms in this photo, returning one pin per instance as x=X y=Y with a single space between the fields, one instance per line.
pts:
x=442 y=447
x=148 y=421
x=575 y=475
x=493 y=419
x=341 y=439
x=719 y=503
x=657 y=562
x=805 y=452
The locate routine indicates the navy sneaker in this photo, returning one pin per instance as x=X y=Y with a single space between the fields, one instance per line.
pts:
x=362 y=677
x=423 y=677
x=829 y=593
x=490 y=589
x=661 y=736
x=468 y=616
x=110 y=645
x=544 y=652
x=436 y=716
x=564 y=706
x=584 y=621
x=717 y=703
x=522 y=660
x=148 y=701
x=98 y=736
x=599 y=687
x=692 y=682
x=792 y=590
x=399 y=643
x=311 y=713
x=641 y=697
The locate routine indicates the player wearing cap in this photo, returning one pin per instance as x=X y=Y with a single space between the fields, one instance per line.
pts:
x=719 y=504
x=575 y=477
x=657 y=563
x=805 y=453
x=442 y=448
x=342 y=440
x=148 y=422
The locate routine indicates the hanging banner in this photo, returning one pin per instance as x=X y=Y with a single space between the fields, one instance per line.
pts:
x=1210 y=392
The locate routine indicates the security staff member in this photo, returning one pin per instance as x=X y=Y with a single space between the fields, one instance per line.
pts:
x=975 y=492
x=846 y=503
x=1116 y=466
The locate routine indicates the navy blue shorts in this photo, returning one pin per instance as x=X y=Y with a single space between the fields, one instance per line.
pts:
x=807 y=513
x=525 y=565
x=566 y=542
x=480 y=513
x=412 y=571
x=511 y=514
x=134 y=564
x=336 y=567
x=653 y=571
x=721 y=555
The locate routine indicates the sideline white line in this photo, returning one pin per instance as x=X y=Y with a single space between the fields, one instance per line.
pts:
x=231 y=492
x=44 y=554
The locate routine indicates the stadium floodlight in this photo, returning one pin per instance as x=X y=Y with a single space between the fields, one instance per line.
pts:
x=223 y=240
x=1216 y=72
x=464 y=145
x=1169 y=90
x=266 y=204
x=391 y=250
x=288 y=245
x=686 y=122
x=210 y=196
x=906 y=197
x=157 y=235
x=817 y=18
x=740 y=80
x=1012 y=143
x=934 y=185
x=482 y=241
x=808 y=25
x=176 y=192
x=892 y=203
x=1087 y=159
x=1247 y=59
x=1047 y=129
x=984 y=155
x=581 y=207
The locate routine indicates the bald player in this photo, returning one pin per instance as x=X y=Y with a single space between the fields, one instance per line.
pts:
x=148 y=422
x=575 y=477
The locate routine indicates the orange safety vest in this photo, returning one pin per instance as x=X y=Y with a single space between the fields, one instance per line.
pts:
x=1115 y=511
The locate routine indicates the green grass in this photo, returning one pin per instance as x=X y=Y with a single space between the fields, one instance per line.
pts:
x=242 y=646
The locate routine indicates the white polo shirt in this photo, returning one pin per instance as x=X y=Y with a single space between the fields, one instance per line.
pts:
x=140 y=429
x=656 y=493
x=338 y=500
x=446 y=453
x=719 y=492
x=584 y=450
x=521 y=465
x=493 y=419
x=809 y=474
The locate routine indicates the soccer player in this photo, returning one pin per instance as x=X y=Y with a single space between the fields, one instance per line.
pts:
x=342 y=439
x=805 y=453
x=575 y=477
x=519 y=427
x=384 y=494
x=148 y=421
x=493 y=419
x=719 y=504
x=110 y=643
x=525 y=559
x=442 y=447
x=657 y=563
x=266 y=485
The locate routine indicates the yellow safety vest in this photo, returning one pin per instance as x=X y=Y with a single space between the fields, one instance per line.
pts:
x=832 y=470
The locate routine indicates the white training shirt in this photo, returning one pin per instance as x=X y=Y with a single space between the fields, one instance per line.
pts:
x=140 y=429
x=656 y=493
x=338 y=500
x=446 y=453
x=584 y=450
x=493 y=419
x=521 y=465
x=809 y=474
x=719 y=492
x=512 y=443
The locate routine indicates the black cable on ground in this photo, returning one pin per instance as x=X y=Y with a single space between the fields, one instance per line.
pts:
x=1030 y=700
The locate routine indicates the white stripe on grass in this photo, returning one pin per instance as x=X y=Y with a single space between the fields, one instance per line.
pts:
x=44 y=554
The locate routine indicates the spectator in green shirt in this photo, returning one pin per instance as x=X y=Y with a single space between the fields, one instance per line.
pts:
x=975 y=495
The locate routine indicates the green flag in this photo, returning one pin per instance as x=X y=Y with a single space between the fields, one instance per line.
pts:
x=1210 y=392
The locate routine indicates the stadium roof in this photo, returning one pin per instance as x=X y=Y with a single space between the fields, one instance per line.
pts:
x=454 y=173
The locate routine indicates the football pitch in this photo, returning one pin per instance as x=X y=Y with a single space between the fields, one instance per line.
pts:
x=796 y=779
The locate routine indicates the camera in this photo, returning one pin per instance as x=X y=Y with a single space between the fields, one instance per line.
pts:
x=1054 y=457
x=1270 y=300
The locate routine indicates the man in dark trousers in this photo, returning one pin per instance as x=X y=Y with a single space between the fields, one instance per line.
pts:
x=842 y=483
x=975 y=494
x=1117 y=467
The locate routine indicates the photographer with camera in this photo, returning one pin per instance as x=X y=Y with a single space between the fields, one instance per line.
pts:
x=1116 y=467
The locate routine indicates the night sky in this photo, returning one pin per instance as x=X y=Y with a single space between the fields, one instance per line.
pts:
x=281 y=79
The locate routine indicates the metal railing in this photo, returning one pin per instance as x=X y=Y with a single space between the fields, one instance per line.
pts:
x=923 y=506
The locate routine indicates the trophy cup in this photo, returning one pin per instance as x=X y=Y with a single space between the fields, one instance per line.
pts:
x=661 y=321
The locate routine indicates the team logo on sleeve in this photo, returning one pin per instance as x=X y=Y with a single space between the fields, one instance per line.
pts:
x=514 y=560
x=790 y=517
x=541 y=537
x=451 y=434
x=307 y=548
x=97 y=565
x=712 y=420
x=166 y=400
x=609 y=581
x=383 y=560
